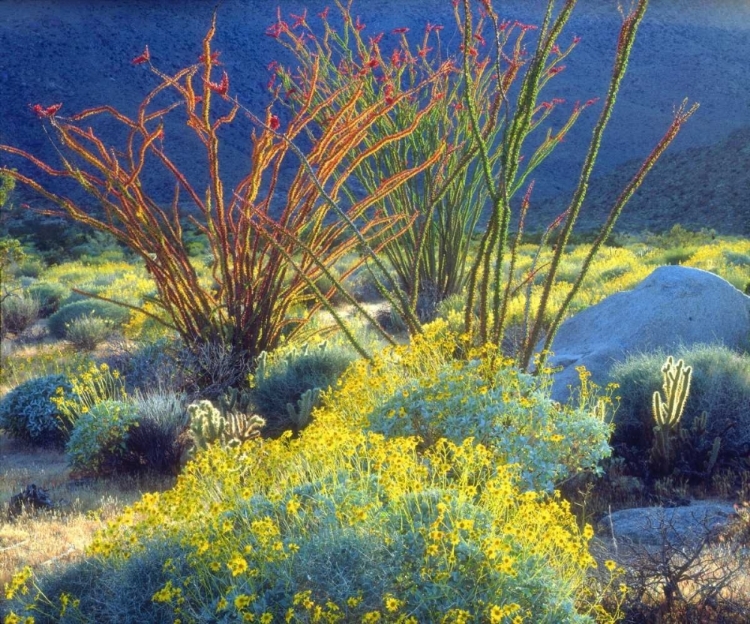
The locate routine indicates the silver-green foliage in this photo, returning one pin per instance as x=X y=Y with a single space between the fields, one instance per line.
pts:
x=88 y=332
x=28 y=414
x=18 y=311
x=60 y=321
x=99 y=437
x=287 y=387
x=508 y=411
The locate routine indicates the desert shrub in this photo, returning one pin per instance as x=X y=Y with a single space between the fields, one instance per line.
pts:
x=98 y=440
x=27 y=412
x=284 y=377
x=89 y=387
x=720 y=387
x=60 y=320
x=49 y=296
x=17 y=312
x=29 y=267
x=106 y=594
x=159 y=442
x=349 y=524
x=483 y=398
x=88 y=332
x=149 y=366
x=450 y=535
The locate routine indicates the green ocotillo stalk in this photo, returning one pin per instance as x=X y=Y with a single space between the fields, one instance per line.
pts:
x=625 y=42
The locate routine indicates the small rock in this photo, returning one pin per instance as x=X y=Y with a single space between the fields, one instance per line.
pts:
x=32 y=498
x=677 y=526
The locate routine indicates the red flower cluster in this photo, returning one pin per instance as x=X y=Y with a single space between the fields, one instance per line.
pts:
x=220 y=88
x=214 y=58
x=142 y=58
x=45 y=113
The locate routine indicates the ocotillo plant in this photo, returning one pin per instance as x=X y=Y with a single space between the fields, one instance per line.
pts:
x=667 y=411
x=489 y=282
x=270 y=246
x=443 y=204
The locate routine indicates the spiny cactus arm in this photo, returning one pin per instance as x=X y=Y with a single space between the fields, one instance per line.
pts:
x=207 y=425
x=306 y=404
x=714 y=457
x=676 y=390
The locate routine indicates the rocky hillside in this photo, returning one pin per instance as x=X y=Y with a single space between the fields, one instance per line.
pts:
x=78 y=52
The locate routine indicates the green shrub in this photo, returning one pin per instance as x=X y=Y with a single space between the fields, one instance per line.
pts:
x=86 y=333
x=99 y=438
x=283 y=379
x=49 y=296
x=59 y=321
x=17 y=312
x=720 y=387
x=159 y=441
x=29 y=267
x=27 y=412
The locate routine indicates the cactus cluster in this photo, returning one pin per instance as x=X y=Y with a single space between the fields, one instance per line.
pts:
x=209 y=425
x=668 y=430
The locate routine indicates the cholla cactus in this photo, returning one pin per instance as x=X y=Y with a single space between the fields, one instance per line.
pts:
x=209 y=425
x=241 y=427
x=307 y=402
x=668 y=410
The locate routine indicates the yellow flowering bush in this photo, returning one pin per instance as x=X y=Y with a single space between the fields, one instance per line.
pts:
x=342 y=524
x=422 y=391
x=89 y=387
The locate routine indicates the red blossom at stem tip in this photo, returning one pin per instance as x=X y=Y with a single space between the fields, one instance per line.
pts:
x=220 y=88
x=299 y=20
x=376 y=39
x=401 y=30
x=359 y=25
x=274 y=122
x=45 y=113
x=472 y=50
x=555 y=70
x=430 y=27
x=214 y=58
x=275 y=30
x=323 y=14
x=142 y=58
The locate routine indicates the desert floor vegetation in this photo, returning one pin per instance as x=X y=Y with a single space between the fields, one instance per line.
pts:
x=327 y=399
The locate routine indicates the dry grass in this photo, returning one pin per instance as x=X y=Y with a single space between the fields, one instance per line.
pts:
x=84 y=505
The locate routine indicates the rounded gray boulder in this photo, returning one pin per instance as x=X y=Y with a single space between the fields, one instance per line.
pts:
x=674 y=306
